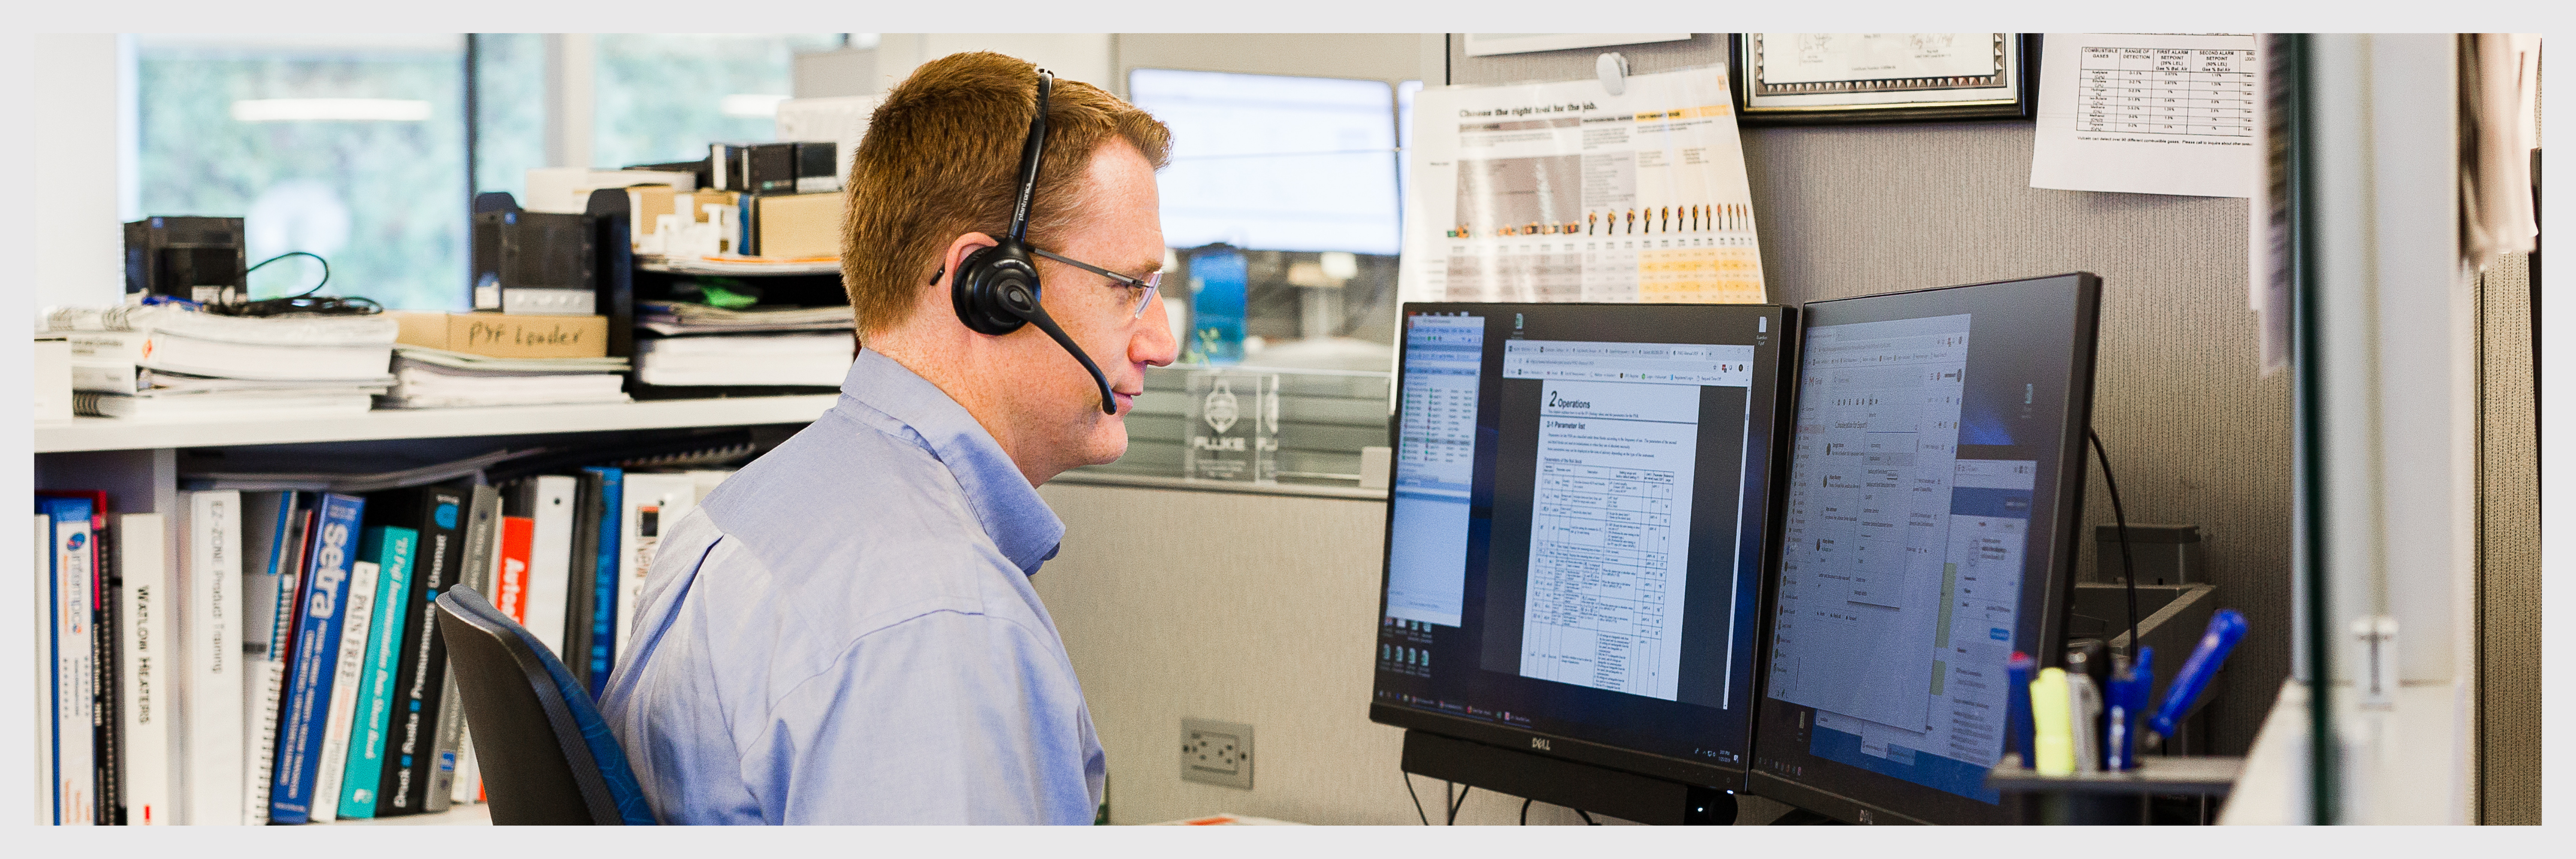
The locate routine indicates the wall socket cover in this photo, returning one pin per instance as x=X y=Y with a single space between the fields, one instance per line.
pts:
x=1214 y=752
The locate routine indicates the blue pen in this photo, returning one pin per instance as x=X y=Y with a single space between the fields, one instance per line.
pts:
x=2017 y=720
x=2129 y=693
x=2225 y=628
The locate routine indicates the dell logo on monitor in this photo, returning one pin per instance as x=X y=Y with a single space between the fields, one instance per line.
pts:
x=1539 y=743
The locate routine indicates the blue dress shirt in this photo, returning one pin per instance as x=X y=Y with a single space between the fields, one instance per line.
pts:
x=844 y=632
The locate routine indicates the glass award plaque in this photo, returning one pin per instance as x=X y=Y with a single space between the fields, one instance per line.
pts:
x=1233 y=427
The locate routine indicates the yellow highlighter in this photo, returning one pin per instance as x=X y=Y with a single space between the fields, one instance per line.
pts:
x=2052 y=736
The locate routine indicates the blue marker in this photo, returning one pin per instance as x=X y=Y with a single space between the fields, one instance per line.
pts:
x=2225 y=628
x=2129 y=693
x=2017 y=723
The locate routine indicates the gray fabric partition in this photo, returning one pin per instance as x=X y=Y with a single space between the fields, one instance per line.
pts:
x=2508 y=622
x=2195 y=432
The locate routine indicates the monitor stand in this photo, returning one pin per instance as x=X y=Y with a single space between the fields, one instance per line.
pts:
x=1556 y=781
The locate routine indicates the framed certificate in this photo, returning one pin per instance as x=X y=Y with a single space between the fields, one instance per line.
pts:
x=1811 y=78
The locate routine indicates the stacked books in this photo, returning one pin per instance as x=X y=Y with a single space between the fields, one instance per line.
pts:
x=706 y=345
x=676 y=318
x=288 y=668
x=427 y=378
x=450 y=360
x=166 y=361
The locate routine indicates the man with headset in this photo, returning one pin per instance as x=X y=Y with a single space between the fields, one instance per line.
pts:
x=844 y=632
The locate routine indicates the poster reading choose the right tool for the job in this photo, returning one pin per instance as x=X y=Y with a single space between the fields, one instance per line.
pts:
x=1564 y=192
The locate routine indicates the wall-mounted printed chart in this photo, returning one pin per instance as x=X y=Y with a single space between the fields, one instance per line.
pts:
x=1564 y=192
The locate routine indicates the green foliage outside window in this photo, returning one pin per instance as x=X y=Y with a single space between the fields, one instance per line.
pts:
x=383 y=199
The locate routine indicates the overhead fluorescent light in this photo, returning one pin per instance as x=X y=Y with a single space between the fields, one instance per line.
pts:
x=344 y=109
x=749 y=106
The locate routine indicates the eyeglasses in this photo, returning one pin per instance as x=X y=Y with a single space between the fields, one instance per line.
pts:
x=1151 y=284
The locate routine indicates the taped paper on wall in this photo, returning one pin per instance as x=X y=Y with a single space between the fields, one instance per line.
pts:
x=2144 y=113
x=1563 y=192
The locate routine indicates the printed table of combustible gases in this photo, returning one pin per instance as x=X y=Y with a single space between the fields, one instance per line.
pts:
x=2187 y=92
x=1610 y=516
x=1601 y=544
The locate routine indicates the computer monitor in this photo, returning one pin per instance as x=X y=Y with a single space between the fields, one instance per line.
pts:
x=1576 y=538
x=1275 y=162
x=1928 y=531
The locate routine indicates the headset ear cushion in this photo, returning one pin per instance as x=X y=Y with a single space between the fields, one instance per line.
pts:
x=979 y=289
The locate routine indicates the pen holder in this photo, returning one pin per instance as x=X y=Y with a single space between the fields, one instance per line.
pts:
x=2111 y=798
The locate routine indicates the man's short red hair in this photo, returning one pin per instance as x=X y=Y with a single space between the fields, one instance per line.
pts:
x=939 y=161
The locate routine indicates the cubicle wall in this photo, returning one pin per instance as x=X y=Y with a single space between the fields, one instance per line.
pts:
x=2508 y=584
x=2196 y=433
x=1258 y=609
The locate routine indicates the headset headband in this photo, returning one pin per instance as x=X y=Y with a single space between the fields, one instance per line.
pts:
x=1031 y=153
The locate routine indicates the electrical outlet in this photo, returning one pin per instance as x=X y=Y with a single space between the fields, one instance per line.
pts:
x=1216 y=752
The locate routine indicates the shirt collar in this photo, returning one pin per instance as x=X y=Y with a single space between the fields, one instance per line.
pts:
x=1018 y=521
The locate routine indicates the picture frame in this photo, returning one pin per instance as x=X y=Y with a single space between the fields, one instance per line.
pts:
x=1842 y=78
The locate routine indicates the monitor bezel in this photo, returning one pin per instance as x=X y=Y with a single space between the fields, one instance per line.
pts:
x=2057 y=587
x=1791 y=332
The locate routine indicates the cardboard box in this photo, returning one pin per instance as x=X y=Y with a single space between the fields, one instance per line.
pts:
x=799 y=225
x=501 y=335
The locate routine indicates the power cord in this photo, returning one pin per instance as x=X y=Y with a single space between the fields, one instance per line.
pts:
x=305 y=302
x=1525 y=807
x=1417 y=798
x=1454 y=804
x=2128 y=567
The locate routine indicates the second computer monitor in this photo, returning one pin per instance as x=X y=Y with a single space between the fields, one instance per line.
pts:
x=1928 y=529
x=1577 y=530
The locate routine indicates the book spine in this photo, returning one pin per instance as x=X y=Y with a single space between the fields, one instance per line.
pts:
x=43 y=670
x=107 y=723
x=483 y=531
x=144 y=629
x=510 y=588
x=655 y=503
x=391 y=547
x=315 y=659
x=76 y=774
x=581 y=593
x=269 y=669
x=509 y=593
x=550 y=560
x=208 y=720
x=423 y=675
x=356 y=614
x=605 y=623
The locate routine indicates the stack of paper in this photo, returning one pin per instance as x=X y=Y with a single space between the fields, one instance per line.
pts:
x=749 y=265
x=746 y=359
x=684 y=317
x=426 y=378
x=167 y=361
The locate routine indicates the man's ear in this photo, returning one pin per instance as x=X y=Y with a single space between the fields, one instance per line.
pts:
x=958 y=250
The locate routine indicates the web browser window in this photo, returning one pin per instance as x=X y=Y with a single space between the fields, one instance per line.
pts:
x=1578 y=522
x=1927 y=524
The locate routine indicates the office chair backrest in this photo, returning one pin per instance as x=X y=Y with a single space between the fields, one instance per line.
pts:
x=546 y=755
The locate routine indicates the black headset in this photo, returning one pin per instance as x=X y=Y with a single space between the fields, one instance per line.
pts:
x=996 y=288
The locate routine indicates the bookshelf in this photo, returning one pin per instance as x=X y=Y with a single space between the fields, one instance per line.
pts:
x=136 y=461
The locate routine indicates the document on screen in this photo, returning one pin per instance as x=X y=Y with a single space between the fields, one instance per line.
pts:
x=1609 y=532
